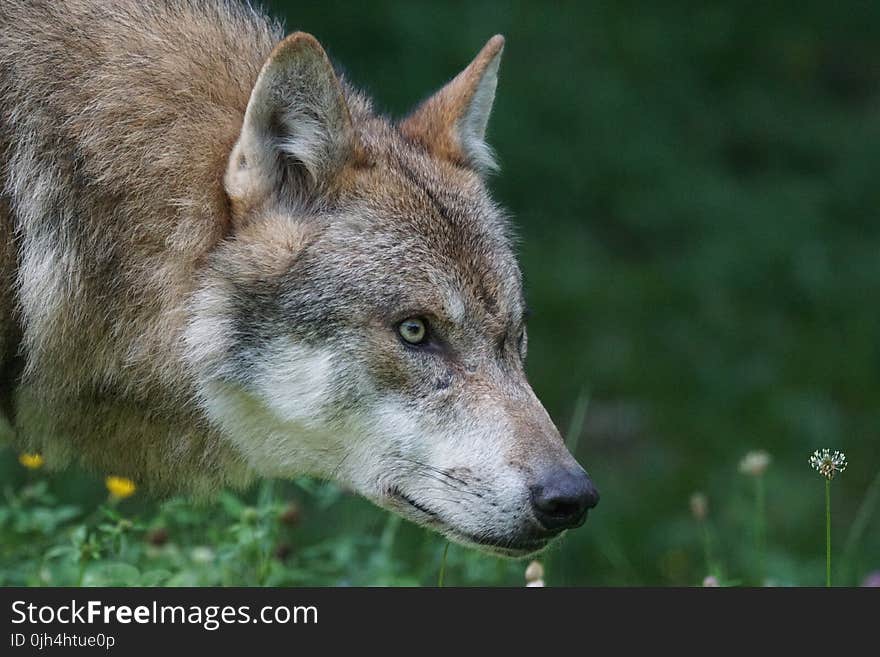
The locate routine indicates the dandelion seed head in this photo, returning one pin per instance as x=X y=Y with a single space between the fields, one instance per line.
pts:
x=754 y=463
x=699 y=506
x=711 y=581
x=828 y=463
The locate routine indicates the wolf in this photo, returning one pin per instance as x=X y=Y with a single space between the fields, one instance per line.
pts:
x=219 y=262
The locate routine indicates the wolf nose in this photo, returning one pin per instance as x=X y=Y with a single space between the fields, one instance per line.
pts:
x=562 y=497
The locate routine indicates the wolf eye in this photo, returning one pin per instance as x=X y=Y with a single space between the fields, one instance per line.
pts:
x=413 y=330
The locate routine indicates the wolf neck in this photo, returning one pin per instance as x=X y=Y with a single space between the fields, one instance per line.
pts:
x=113 y=165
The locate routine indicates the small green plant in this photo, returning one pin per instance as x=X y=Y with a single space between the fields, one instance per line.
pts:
x=754 y=464
x=828 y=464
x=278 y=534
x=699 y=504
x=442 y=574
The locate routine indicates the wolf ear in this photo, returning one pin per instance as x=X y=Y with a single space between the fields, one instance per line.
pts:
x=297 y=127
x=452 y=122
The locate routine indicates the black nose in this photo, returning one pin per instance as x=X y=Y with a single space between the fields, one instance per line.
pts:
x=561 y=498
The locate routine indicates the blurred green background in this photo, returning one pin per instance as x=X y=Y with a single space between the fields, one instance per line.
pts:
x=695 y=186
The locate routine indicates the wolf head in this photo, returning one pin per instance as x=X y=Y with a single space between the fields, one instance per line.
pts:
x=365 y=322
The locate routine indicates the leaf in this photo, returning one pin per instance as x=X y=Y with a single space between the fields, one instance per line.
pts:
x=231 y=504
x=155 y=577
x=60 y=551
x=112 y=574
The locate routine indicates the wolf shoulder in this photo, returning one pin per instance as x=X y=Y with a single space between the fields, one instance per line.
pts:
x=116 y=121
x=121 y=114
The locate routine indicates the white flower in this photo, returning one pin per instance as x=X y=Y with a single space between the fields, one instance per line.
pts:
x=699 y=506
x=202 y=554
x=535 y=573
x=754 y=463
x=827 y=463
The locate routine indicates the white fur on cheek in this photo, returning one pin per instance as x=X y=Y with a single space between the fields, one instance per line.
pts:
x=207 y=334
x=277 y=422
x=295 y=380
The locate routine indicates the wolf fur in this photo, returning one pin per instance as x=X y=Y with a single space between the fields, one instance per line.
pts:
x=207 y=241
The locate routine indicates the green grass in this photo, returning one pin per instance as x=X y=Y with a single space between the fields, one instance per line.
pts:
x=307 y=533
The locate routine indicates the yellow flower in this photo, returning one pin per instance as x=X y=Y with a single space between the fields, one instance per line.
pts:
x=32 y=461
x=120 y=487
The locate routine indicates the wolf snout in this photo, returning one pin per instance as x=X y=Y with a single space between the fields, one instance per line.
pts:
x=561 y=498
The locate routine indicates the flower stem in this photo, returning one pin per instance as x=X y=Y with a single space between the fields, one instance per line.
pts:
x=827 y=532
x=82 y=572
x=266 y=501
x=759 y=526
x=442 y=574
x=707 y=547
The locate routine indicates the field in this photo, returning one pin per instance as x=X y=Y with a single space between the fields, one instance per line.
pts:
x=694 y=186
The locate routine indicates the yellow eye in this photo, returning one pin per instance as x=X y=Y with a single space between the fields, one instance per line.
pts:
x=413 y=330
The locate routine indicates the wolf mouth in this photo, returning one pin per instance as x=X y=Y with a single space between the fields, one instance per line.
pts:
x=503 y=547
x=397 y=493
